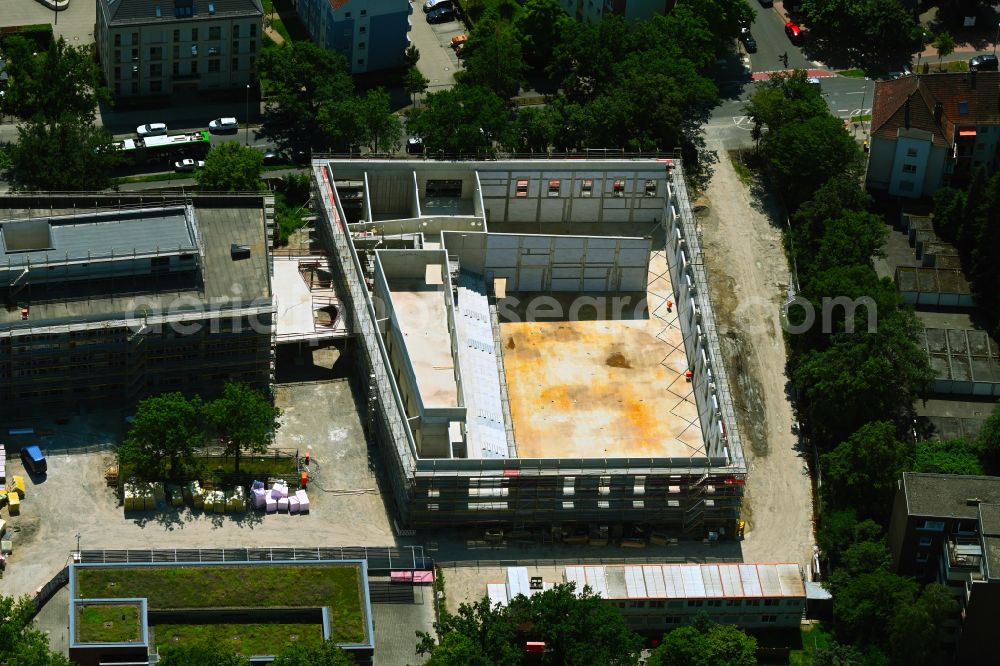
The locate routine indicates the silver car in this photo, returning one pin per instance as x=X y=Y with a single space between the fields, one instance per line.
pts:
x=151 y=129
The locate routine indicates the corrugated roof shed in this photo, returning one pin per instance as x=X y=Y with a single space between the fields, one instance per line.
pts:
x=689 y=581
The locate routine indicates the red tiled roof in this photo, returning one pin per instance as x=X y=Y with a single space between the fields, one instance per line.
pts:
x=337 y=4
x=922 y=92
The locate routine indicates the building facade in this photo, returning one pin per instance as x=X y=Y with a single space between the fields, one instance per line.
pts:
x=595 y=10
x=469 y=400
x=108 y=307
x=178 y=46
x=932 y=130
x=372 y=36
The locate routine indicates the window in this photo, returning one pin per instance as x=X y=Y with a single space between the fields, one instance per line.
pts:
x=963 y=108
x=522 y=187
x=253 y=46
x=771 y=602
x=177 y=52
x=364 y=12
x=431 y=492
x=554 y=187
x=215 y=65
x=135 y=38
x=118 y=73
x=672 y=619
x=361 y=45
x=694 y=603
x=155 y=86
x=194 y=66
x=156 y=70
x=135 y=55
x=155 y=53
x=176 y=68
x=638 y=504
x=659 y=603
x=253 y=62
x=347 y=15
x=911 y=152
x=177 y=35
x=732 y=603
x=925 y=542
x=568 y=485
x=603 y=504
x=215 y=33
x=118 y=40
x=714 y=603
x=619 y=187
x=236 y=31
x=768 y=618
x=587 y=188
x=433 y=507
x=213 y=50
x=253 y=29
x=118 y=56
x=753 y=602
x=194 y=34
x=567 y=505
x=118 y=88
x=909 y=168
x=922 y=558
x=363 y=30
x=135 y=87
x=650 y=187
x=361 y=61
x=637 y=604
x=236 y=63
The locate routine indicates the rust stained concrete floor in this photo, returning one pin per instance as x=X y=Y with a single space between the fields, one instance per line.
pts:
x=595 y=389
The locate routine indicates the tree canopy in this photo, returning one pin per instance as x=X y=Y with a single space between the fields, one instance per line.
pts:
x=163 y=436
x=869 y=33
x=201 y=654
x=21 y=643
x=62 y=81
x=578 y=630
x=65 y=153
x=327 y=654
x=230 y=167
x=244 y=419
x=705 y=643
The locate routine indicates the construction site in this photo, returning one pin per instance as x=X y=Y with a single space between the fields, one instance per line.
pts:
x=535 y=344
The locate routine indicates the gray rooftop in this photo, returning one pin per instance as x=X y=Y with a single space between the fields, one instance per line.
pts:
x=948 y=495
x=221 y=277
x=989 y=527
x=108 y=235
x=133 y=11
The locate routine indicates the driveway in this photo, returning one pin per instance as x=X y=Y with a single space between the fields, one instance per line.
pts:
x=73 y=498
x=438 y=61
x=75 y=24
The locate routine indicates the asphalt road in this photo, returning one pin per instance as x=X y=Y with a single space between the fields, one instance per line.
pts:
x=769 y=31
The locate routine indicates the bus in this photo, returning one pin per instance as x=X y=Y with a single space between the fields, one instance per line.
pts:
x=169 y=147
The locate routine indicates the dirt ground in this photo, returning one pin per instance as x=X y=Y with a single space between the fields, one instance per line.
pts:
x=749 y=278
x=73 y=498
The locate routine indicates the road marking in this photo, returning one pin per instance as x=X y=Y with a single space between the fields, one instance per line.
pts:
x=860 y=92
x=842 y=110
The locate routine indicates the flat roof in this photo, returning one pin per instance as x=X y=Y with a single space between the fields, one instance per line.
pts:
x=91 y=236
x=948 y=495
x=689 y=581
x=423 y=321
x=221 y=281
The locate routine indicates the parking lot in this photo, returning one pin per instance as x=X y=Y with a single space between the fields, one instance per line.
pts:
x=74 y=499
x=438 y=61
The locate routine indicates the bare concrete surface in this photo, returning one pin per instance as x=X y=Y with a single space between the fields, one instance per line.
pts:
x=75 y=24
x=73 y=498
x=438 y=61
x=749 y=277
x=396 y=627
x=53 y=619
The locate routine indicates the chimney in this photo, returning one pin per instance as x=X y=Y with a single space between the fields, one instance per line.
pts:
x=906 y=114
x=938 y=112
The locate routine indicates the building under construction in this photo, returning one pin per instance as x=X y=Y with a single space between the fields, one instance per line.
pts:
x=110 y=298
x=536 y=341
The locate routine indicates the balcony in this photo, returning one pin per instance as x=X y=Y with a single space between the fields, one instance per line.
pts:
x=963 y=560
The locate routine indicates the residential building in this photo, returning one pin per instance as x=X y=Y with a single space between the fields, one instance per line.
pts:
x=163 y=47
x=129 y=299
x=372 y=35
x=931 y=130
x=945 y=528
x=655 y=598
x=595 y=10
x=490 y=412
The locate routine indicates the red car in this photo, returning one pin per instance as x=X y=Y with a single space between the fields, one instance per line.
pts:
x=794 y=32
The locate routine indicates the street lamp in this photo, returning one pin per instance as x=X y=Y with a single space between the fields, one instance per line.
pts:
x=247 y=116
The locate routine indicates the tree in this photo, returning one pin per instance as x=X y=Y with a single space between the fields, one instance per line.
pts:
x=465 y=119
x=244 y=419
x=380 y=127
x=839 y=529
x=989 y=442
x=163 y=436
x=493 y=59
x=949 y=203
x=862 y=472
x=533 y=131
x=66 y=154
x=837 y=654
x=578 y=630
x=306 y=84
x=705 y=643
x=536 y=25
x=414 y=83
x=863 y=606
x=867 y=32
x=918 y=630
x=327 y=654
x=230 y=167
x=201 y=654
x=63 y=81
x=785 y=99
x=21 y=643
x=950 y=456
x=945 y=45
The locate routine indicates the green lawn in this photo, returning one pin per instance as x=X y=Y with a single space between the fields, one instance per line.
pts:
x=108 y=623
x=814 y=637
x=855 y=73
x=165 y=588
x=247 y=639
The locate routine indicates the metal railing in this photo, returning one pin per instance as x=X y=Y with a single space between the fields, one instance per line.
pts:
x=379 y=558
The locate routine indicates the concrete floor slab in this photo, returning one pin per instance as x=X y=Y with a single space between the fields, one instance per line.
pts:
x=424 y=322
x=295 y=303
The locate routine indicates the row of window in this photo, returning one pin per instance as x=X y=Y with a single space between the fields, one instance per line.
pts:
x=709 y=603
x=156 y=69
x=214 y=34
x=586 y=187
x=655 y=621
x=156 y=52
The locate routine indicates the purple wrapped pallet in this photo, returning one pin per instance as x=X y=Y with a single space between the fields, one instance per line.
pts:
x=259 y=495
x=283 y=504
x=303 y=501
x=270 y=504
x=279 y=489
x=257 y=485
x=293 y=504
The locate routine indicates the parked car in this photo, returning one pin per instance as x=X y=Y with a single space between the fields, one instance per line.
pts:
x=188 y=164
x=441 y=15
x=223 y=125
x=431 y=5
x=983 y=63
x=34 y=460
x=151 y=129
x=794 y=32
x=415 y=145
x=748 y=41
x=272 y=156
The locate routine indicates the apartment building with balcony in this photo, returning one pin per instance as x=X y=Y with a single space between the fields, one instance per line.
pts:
x=372 y=35
x=163 y=47
x=946 y=528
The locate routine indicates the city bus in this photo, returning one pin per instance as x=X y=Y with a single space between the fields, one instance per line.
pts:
x=167 y=147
